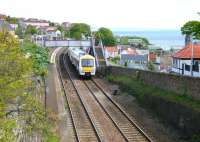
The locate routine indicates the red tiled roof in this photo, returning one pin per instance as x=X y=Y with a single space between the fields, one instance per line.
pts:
x=112 y=49
x=186 y=53
x=2 y=16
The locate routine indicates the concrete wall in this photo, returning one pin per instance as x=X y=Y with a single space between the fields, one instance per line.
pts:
x=176 y=83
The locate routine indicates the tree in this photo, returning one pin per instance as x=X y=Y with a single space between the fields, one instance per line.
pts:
x=19 y=109
x=106 y=36
x=124 y=40
x=51 y=23
x=30 y=30
x=61 y=29
x=12 y=20
x=151 y=66
x=39 y=57
x=78 y=30
x=19 y=31
x=191 y=29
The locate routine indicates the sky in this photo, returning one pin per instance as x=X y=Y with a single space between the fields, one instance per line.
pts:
x=114 y=14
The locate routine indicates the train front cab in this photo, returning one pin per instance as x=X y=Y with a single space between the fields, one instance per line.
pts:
x=87 y=66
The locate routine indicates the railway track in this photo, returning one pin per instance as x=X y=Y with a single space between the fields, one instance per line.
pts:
x=121 y=119
x=95 y=116
x=84 y=129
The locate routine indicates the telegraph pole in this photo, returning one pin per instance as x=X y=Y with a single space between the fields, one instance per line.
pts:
x=192 y=56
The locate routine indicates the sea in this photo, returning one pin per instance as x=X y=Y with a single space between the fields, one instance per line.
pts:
x=166 y=39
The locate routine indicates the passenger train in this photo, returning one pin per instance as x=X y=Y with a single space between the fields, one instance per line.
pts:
x=84 y=63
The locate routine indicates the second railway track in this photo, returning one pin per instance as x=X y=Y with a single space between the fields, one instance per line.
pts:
x=122 y=120
x=94 y=115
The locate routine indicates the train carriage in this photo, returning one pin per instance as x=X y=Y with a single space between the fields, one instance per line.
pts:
x=84 y=63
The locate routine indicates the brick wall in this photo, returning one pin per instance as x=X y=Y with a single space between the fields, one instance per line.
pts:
x=176 y=83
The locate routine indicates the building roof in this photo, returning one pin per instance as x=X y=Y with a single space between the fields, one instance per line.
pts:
x=186 y=52
x=51 y=29
x=2 y=16
x=129 y=57
x=130 y=51
x=111 y=49
x=33 y=20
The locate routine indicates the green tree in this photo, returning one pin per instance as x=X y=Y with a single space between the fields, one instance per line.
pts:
x=61 y=29
x=39 y=57
x=124 y=41
x=30 y=30
x=51 y=23
x=66 y=33
x=151 y=66
x=106 y=36
x=12 y=20
x=78 y=30
x=19 y=109
x=191 y=28
x=19 y=32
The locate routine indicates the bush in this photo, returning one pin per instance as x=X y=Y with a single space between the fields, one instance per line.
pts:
x=115 y=59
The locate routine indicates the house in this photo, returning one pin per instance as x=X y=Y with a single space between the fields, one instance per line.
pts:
x=14 y=26
x=134 y=61
x=3 y=17
x=111 y=52
x=49 y=32
x=66 y=25
x=52 y=33
x=36 y=22
x=187 y=61
x=134 y=58
x=152 y=57
x=130 y=51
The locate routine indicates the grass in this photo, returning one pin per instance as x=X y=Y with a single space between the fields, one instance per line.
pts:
x=139 y=89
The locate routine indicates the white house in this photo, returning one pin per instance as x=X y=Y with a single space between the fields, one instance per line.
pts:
x=53 y=33
x=183 y=59
x=14 y=26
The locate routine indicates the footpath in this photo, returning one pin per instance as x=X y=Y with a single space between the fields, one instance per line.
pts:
x=55 y=100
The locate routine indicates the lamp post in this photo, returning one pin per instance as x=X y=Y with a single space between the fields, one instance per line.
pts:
x=192 y=56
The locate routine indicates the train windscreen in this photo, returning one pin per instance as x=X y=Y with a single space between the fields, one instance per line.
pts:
x=87 y=63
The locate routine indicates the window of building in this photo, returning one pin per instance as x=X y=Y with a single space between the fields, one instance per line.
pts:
x=195 y=66
x=187 y=67
x=175 y=63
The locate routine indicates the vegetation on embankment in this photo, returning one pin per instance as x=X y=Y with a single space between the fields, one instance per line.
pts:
x=180 y=111
x=20 y=110
x=39 y=57
x=124 y=40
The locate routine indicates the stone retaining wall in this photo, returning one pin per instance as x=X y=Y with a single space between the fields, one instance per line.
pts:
x=179 y=84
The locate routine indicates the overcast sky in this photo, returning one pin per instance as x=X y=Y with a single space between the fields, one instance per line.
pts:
x=120 y=14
